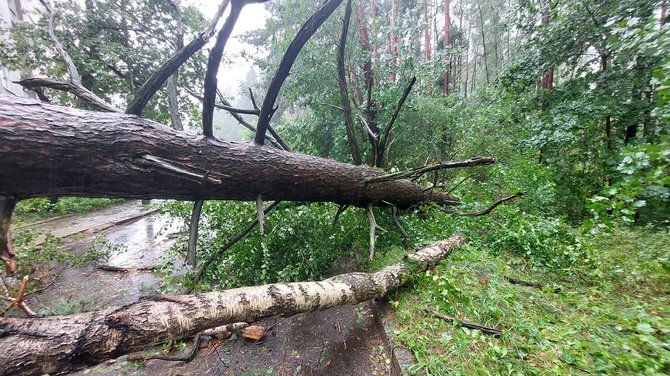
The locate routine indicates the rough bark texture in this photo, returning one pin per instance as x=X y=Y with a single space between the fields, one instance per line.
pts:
x=48 y=150
x=59 y=343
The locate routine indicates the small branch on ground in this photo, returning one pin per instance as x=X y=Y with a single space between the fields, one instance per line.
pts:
x=120 y=269
x=470 y=325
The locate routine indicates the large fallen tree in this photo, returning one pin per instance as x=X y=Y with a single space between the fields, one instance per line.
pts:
x=49 y=150
x=61 y=343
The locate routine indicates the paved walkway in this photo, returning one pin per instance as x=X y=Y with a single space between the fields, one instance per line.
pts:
x=89 y=223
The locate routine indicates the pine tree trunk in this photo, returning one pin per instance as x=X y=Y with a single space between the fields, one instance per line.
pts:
x=48 y=150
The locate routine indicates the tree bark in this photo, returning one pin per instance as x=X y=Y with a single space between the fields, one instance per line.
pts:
x=48 y=150
x=61 y=343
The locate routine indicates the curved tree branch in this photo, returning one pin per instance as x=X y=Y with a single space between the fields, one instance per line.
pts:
x=158 y=78
x=417 y=172
x=304 y=34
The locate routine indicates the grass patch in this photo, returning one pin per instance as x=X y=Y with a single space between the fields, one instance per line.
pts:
x=611 y=315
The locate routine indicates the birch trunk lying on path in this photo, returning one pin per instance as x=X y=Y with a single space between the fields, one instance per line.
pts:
x=61 y=343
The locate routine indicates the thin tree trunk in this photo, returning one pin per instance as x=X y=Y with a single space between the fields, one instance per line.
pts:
x=173 y=94
x=61 y=343
x=48 y=150
x=447 y=44
x=486 y=64
x=426 y=36
x=393 y=47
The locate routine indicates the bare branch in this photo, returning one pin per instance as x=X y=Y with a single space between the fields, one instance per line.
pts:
x=394 y=215
x=253 y=101
x=340 y=210
x=215 y=55
x=260 y=214
x=77 y=90
x=485 y=211
x=225 y=104
x=384 y=144
x=158 y=78
x=304 y=34
x=344 y=91
x=193 y=232
x=75 y=78
x=417 y=172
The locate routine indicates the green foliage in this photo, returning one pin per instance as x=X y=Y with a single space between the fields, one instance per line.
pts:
x=39 y=208
x=642 y=190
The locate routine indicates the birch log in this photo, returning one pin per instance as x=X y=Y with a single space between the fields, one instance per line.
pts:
x=61 y=343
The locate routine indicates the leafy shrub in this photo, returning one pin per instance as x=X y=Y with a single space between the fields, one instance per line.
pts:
x=544 y=241
x=641 y=192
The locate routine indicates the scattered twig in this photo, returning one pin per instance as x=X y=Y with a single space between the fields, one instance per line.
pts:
x=304 y=34
x=253 y=101
x=417 y=172
x=515 y=281
x=459 y=183
x=120 y=269
x=484 y=329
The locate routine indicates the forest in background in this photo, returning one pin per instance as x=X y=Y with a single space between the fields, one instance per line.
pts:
x=570 y=97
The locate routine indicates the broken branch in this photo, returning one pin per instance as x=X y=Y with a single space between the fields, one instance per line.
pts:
x=470 y=325
x=485 y=211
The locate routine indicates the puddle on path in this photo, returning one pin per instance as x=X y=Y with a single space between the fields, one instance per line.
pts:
x=139 y=244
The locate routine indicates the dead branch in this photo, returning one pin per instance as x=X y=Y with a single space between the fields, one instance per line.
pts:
x=193 y=232
x=158 y=78
x=75 y=78
x=485 y=211
x=394 y=216
x=304 y=34
x=470 y=325
x=260 y=217
x=340 y=210
x=120 y=269
x=415 y=173
x=515 y=281
x=459 y=183
x=373 y=229
x=344 y=91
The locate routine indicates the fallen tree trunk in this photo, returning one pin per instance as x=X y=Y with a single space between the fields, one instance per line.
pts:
x=60 y=343
x=48 y=150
